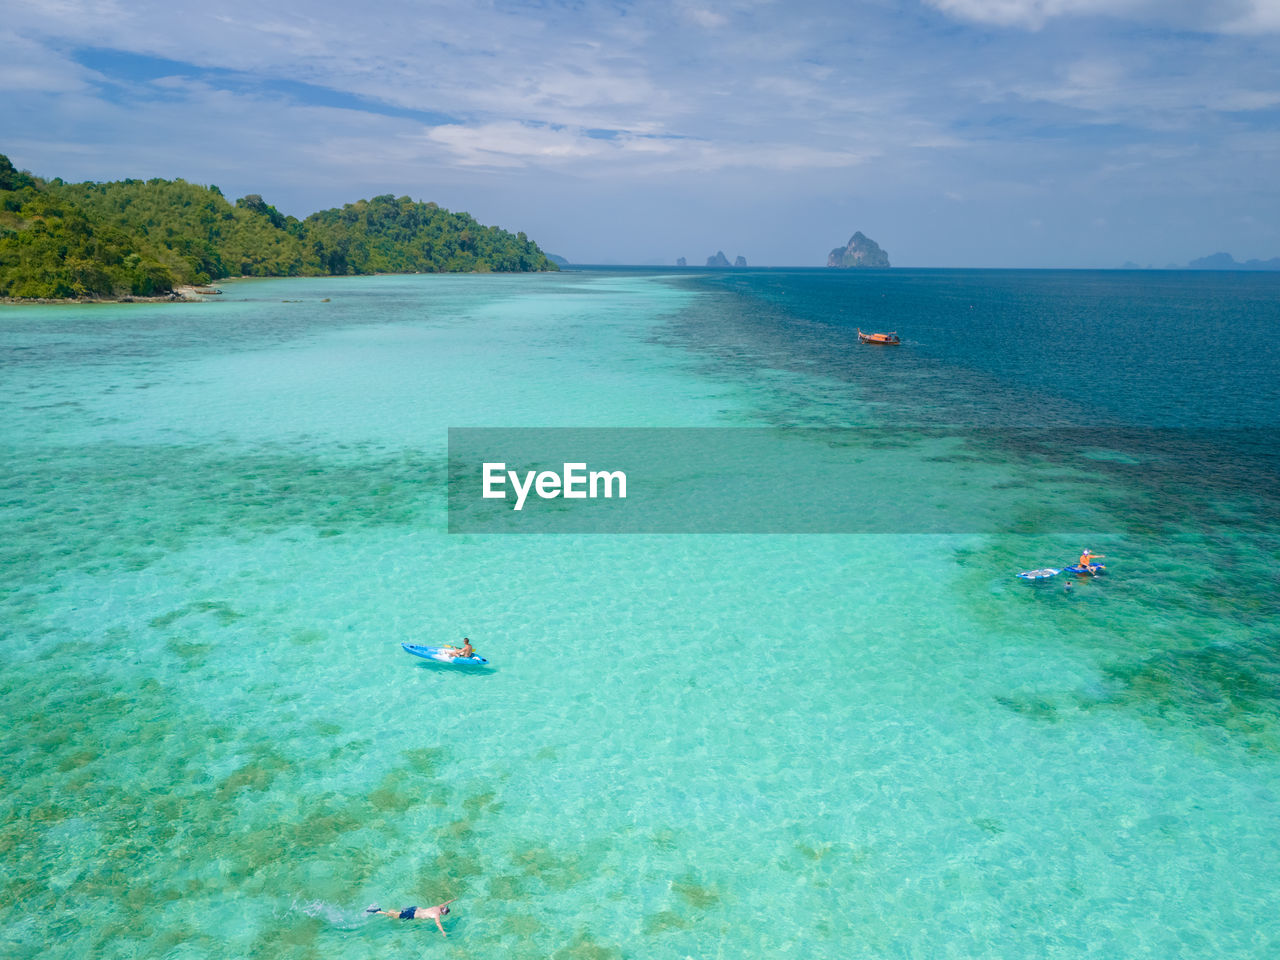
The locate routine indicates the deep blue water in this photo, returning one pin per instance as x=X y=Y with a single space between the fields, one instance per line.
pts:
x=1144 y=348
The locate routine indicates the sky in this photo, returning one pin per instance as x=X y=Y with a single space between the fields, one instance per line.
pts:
x=955 y=133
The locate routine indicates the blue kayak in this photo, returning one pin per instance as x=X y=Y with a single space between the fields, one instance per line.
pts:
x=442 y=655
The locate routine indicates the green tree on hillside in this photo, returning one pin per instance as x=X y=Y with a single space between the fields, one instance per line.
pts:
x=59 y=252
x=397 y=235
x=12 y=179
x=62 y=239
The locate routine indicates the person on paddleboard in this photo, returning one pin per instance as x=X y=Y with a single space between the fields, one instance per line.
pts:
x=416 y=913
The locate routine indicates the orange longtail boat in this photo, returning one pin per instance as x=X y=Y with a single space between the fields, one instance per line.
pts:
x=890 y=339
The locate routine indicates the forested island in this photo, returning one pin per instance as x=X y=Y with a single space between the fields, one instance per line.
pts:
x=136 y=238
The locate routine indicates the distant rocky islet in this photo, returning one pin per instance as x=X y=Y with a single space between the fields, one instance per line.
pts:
x=1225 y=261
x=861 y=251
x=717 y=260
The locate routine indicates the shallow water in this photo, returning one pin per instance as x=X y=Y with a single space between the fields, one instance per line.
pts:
x=221 y=520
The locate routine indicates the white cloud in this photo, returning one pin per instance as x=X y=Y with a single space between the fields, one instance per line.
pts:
x=703 y=17
x=1025 y=13
x=1256 y=16
x=512 y=144
x=28 y=67
x=1141 y=95
x=1092 y=84
x=1213 y=16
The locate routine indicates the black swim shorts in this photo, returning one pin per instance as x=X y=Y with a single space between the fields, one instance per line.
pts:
x=408 y=912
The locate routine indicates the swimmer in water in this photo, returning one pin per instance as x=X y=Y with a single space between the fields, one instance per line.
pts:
x=416 y=913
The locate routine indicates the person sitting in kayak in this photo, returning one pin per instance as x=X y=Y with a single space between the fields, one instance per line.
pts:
x=466 y=650
x=1088 y=560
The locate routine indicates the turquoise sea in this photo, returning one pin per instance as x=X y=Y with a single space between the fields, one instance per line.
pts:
x=221 y=519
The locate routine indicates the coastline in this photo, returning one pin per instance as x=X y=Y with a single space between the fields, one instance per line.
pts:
x=199 y=293
x=187 y=293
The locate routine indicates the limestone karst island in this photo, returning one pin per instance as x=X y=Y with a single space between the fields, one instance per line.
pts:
x=861 y=251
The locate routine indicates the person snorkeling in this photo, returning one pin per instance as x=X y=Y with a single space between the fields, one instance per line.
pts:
x=416 y=913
